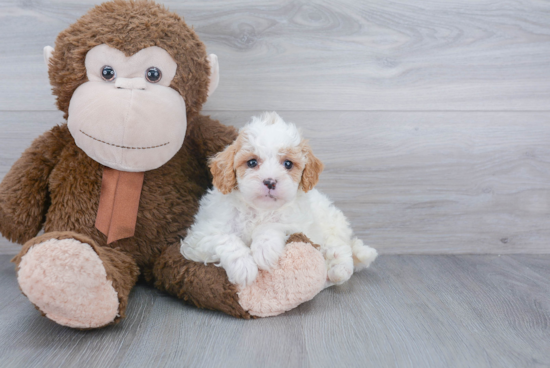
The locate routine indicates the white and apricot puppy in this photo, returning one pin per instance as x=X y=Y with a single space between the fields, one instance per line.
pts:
x=263 y=192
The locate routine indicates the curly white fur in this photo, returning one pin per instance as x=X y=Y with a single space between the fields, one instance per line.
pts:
x=246 y=229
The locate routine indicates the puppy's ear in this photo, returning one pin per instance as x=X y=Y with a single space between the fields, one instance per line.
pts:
x=223 y=170
x=312 y=169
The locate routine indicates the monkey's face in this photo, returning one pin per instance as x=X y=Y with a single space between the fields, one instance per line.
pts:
x=126 y=116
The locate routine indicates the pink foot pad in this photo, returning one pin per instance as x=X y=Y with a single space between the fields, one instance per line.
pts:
x=300 y=275
x=66 y=280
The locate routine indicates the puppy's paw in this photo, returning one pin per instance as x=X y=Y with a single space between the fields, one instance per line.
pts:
x=339 y=274
x=267 y=250
x=363 y=255
x=242 y=271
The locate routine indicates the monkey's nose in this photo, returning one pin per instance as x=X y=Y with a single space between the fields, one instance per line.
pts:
x=270 y=183
x=130 y=83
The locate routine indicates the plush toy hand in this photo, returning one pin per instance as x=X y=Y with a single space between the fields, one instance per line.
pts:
x=299 y=274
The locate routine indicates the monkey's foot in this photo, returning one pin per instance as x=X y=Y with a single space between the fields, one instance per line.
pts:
x=66 y=280
x=299 y=275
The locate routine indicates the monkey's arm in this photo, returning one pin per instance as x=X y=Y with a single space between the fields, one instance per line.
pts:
x=210 y=136
x=24 y=197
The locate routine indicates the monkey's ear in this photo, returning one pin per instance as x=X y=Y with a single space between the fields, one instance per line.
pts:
x=48 y=51
x=214 y=73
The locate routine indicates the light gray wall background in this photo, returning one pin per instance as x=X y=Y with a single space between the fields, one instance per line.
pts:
x=432 y=117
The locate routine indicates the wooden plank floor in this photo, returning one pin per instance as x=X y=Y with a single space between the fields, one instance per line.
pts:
x=406 y=311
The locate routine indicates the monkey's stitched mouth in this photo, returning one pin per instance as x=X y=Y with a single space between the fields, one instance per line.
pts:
x=119 y=146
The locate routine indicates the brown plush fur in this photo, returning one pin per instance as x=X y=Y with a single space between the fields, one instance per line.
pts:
x=205 y=286
x=301 y=238
x=24 y=198
x=130 y=26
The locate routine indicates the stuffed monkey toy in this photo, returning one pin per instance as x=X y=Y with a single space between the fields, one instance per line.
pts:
x=116 y=187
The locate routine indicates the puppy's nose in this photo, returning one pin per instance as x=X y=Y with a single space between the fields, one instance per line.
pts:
x=270 y=183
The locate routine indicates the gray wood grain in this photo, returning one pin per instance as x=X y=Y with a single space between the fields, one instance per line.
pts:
x=410 y=182
x=327 y=55
x=406 y=311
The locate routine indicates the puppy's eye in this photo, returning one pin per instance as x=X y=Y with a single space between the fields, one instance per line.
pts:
x=288 y=164
x=108 y=73
x=252 y=163
x=153 y=75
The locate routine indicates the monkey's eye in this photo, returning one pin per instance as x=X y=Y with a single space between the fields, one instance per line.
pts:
x=288 y=164
x=252 y=163
x=153 y=74
x=108 y=73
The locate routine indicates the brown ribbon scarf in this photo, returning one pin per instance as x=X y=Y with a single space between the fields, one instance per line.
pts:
x=118 y=203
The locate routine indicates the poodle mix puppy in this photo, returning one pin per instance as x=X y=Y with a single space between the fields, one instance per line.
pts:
x=264 y=193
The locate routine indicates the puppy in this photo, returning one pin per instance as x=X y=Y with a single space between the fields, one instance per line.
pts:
x=264 y=193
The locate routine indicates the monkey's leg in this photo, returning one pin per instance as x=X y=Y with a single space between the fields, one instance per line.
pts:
x=299 y=276
x=205 y=286
x=73 y=281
